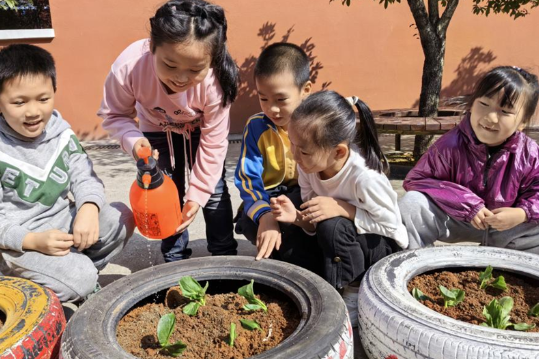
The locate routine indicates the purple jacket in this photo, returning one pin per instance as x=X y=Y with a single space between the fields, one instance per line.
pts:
x=458 y=176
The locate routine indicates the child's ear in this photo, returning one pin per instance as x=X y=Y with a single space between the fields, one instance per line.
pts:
x=341 y=151
x=307 y=88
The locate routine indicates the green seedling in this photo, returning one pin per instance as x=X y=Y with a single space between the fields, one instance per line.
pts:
x=484 y=277
x=164 y=330
x=452 y=297
x=250 y=324
x=485 y=280
x=534 y=312
x=233 y=334
x=497 y=315
x=420 y=296
x=192 y=290
x=248 y=293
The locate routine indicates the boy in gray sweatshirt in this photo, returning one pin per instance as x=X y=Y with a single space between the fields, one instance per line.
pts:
x=45 y=236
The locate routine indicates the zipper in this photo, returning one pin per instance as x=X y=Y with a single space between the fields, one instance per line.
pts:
x=487 y=166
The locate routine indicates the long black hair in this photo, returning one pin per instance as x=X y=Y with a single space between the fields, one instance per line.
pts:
x=182 y=20
x=331 y=120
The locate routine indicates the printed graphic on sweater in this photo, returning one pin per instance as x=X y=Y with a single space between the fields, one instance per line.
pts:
x=44 y=185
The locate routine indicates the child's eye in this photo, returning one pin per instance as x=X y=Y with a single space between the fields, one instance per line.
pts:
x=18 y=103
x=283 y=99
x=44 y=99
x=483 y=103
x=507 y=112
x=262 y=99
x=170 y=67
x=196 y=71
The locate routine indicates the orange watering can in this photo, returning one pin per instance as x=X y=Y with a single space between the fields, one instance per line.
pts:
x=154 y=199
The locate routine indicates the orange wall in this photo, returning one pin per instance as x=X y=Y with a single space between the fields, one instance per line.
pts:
x=364 y=49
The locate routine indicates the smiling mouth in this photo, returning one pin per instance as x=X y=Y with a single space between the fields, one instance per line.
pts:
x=32 y=123
x=489 y=129
x=177 y=84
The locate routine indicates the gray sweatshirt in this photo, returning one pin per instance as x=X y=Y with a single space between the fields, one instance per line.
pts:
x=36 y=176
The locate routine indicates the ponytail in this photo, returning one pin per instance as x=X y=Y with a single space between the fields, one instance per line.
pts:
x=367 y=139
x=181 y=20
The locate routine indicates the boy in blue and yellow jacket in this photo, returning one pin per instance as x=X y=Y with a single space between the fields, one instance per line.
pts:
x=266 y=167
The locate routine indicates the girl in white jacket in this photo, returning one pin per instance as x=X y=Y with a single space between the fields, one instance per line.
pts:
x=349 y=204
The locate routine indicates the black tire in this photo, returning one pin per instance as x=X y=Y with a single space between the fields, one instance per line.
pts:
x=324 y=330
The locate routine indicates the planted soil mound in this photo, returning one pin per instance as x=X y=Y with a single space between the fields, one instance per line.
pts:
x=207 y=333
x=523 y=290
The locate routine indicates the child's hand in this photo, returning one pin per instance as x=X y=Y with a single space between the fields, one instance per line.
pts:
x=268 y=236
x=190 y=210
x=143 y=142
x=479 y=220
x=283 y=209
x=86 y=227
x=321 y=208
x=52 y=242
x=506 y=218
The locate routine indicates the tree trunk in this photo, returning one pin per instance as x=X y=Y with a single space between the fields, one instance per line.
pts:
x=431 y=85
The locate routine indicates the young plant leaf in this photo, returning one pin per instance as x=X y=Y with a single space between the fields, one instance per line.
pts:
x=250 y=324
x=485 y=276
x=499 y=283
x=419 y=295
x=248 y=293
x=191 y=308
x=233 y=334
x=165 y=328
x=523 y=326
x=452 y=297
x=497 y=313
x=534 y=312
x=193 y=290
x=175 y=349
x=252 y=307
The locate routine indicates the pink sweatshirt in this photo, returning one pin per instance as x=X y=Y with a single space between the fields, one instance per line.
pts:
x=132 y=89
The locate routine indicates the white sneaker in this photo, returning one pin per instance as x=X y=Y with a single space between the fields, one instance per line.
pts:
x=350 y=295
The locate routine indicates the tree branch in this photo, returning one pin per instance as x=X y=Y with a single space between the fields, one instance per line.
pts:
x=447 y=15
x=427 y=32
x=433 y=12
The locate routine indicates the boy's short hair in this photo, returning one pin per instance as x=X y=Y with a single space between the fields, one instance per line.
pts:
x=283 y=56
x=19 y=60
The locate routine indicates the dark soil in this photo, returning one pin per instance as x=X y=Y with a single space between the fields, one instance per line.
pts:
x=207 y=333
x=2 y=319
x=523 y=290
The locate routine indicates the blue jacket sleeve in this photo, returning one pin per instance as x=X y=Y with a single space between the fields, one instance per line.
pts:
x=248 y=176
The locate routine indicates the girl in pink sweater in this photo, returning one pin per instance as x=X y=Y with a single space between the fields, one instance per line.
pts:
x=180 y=84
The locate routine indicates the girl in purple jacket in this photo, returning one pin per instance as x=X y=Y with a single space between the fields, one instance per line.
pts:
x=480 y=181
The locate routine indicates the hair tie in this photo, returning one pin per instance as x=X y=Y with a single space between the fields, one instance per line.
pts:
x=352 y=100
x=517 y=68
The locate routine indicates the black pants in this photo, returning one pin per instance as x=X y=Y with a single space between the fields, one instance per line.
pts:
x=297 y=247
x=217 y=212
x=346 y=254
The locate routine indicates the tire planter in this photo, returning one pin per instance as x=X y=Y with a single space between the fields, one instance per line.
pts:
x=323 y=332
x=392 y=322
x=34 y=320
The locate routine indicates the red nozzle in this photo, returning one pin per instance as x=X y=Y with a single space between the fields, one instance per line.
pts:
x=146 y=180
x=144 y=153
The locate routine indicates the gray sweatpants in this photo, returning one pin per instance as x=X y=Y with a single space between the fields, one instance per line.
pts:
x=73 y=276
x=426 y=223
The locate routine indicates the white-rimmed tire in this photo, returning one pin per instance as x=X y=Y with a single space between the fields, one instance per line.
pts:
x=392 y=322
x=324 y=330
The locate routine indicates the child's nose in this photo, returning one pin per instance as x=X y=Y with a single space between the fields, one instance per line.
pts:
x=31 y=110
x=492 y=116
x=274 y=108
